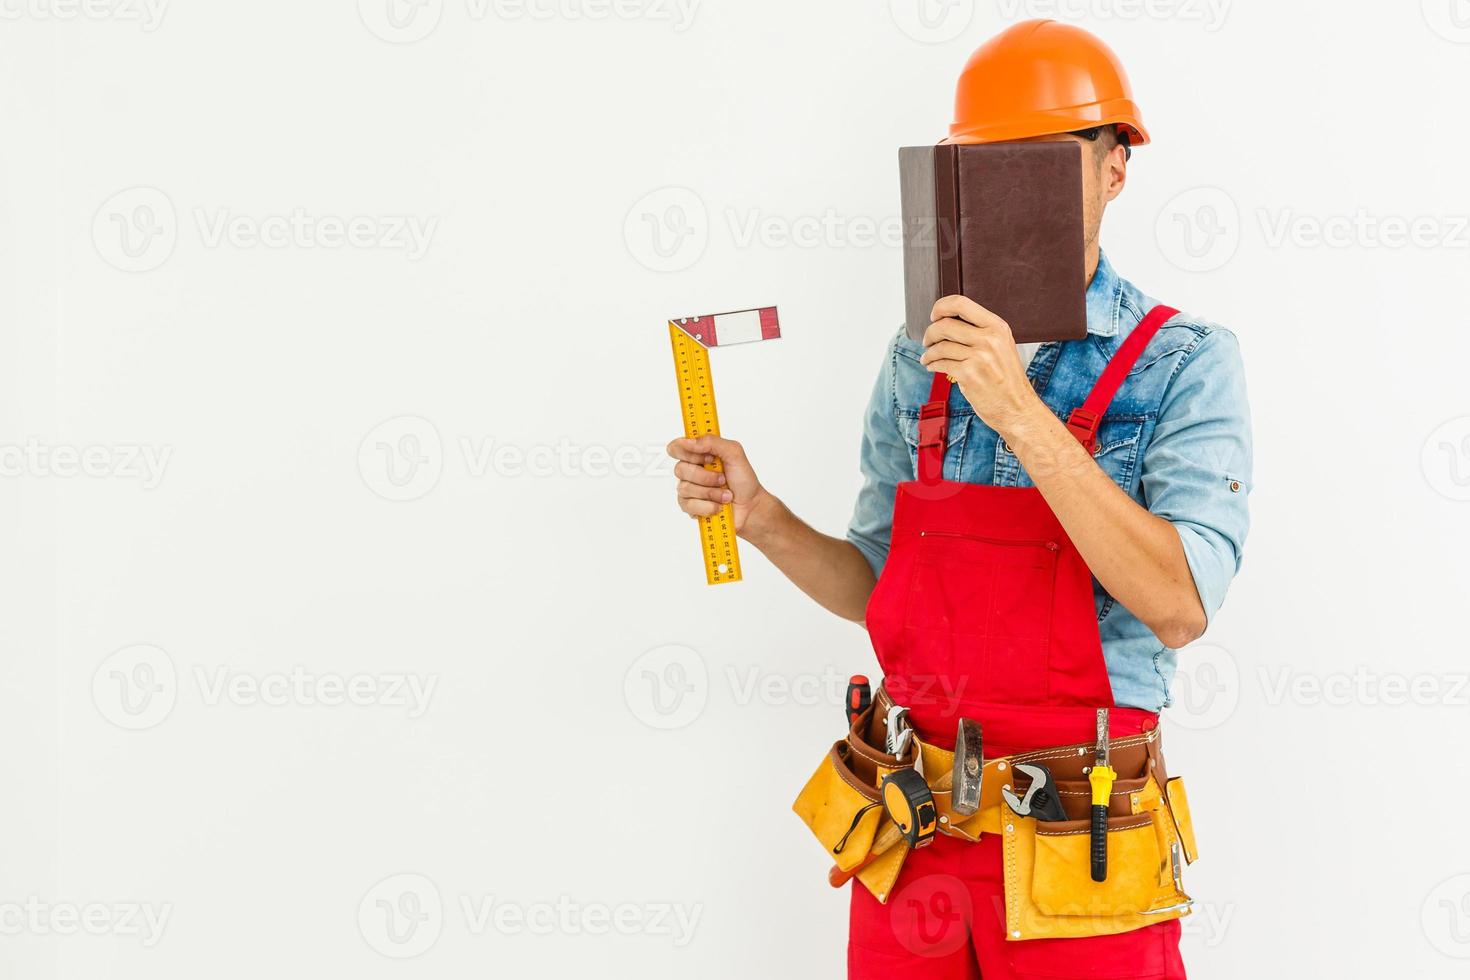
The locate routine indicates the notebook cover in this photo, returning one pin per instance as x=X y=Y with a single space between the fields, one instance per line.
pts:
x=1000 y=223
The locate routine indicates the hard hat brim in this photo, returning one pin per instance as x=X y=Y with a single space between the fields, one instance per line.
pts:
x=1117 y=112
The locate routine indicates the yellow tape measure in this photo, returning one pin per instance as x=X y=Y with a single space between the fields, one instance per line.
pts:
x=691 y=339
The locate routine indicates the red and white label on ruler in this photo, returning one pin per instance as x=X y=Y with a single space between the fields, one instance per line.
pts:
x=691 y=338
x=740 y=327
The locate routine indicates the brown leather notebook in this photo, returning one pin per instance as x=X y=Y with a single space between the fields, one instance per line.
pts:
x=1000 y=223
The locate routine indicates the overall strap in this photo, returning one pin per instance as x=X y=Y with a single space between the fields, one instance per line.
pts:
x=1085 y=419
x=933 y=429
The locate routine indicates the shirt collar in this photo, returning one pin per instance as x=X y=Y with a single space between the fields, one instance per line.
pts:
x=1104 y=299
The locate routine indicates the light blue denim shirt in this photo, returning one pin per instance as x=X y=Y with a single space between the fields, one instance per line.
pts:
x=1177 y=438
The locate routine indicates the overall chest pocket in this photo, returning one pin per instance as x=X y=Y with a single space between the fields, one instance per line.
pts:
x=955 y=442
x=1119 y=445
x=1119 y=448
x=980 y=608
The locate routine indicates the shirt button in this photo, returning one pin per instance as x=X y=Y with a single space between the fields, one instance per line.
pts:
x=1235 y=486
x=1005 y=447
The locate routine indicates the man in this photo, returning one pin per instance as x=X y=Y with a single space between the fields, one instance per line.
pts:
x=1138 y=473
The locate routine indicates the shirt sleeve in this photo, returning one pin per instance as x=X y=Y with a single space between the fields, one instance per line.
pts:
x=1197 y=466
x=885 y=462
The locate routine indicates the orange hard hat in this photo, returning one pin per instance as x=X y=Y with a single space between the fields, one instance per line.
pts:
x=1041 y=78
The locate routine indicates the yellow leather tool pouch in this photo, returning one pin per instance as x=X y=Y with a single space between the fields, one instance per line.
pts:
x=1062 y=884
x=840 y=808
x=1178 y=801
x=1048 y=880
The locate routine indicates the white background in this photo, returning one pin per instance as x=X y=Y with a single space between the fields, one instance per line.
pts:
x=332 y=497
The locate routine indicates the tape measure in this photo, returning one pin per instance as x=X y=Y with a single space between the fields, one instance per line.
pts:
x=691 y=338
x=910 y=804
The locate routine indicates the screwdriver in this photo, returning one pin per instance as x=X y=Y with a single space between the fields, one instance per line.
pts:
x=1101 y=777
x=859 y=696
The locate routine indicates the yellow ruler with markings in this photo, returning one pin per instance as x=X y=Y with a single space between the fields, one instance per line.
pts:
x=691 y=338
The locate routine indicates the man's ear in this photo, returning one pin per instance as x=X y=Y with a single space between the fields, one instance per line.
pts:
x=1115 y=171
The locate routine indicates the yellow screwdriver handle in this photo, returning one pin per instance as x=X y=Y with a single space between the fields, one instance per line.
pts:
x=1102 y=779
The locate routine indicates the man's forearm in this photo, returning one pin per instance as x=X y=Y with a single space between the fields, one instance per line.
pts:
x=1136 y=556
x=830 y=570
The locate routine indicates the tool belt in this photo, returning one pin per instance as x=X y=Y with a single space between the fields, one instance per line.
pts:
x=1049 y=892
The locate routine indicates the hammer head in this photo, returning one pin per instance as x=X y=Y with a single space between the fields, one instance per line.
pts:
x=969 y=766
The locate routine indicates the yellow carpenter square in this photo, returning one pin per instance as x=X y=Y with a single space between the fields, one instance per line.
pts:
x=692 y=337
x=697 y=396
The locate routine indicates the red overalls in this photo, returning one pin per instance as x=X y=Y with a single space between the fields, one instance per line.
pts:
x=985 y=610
